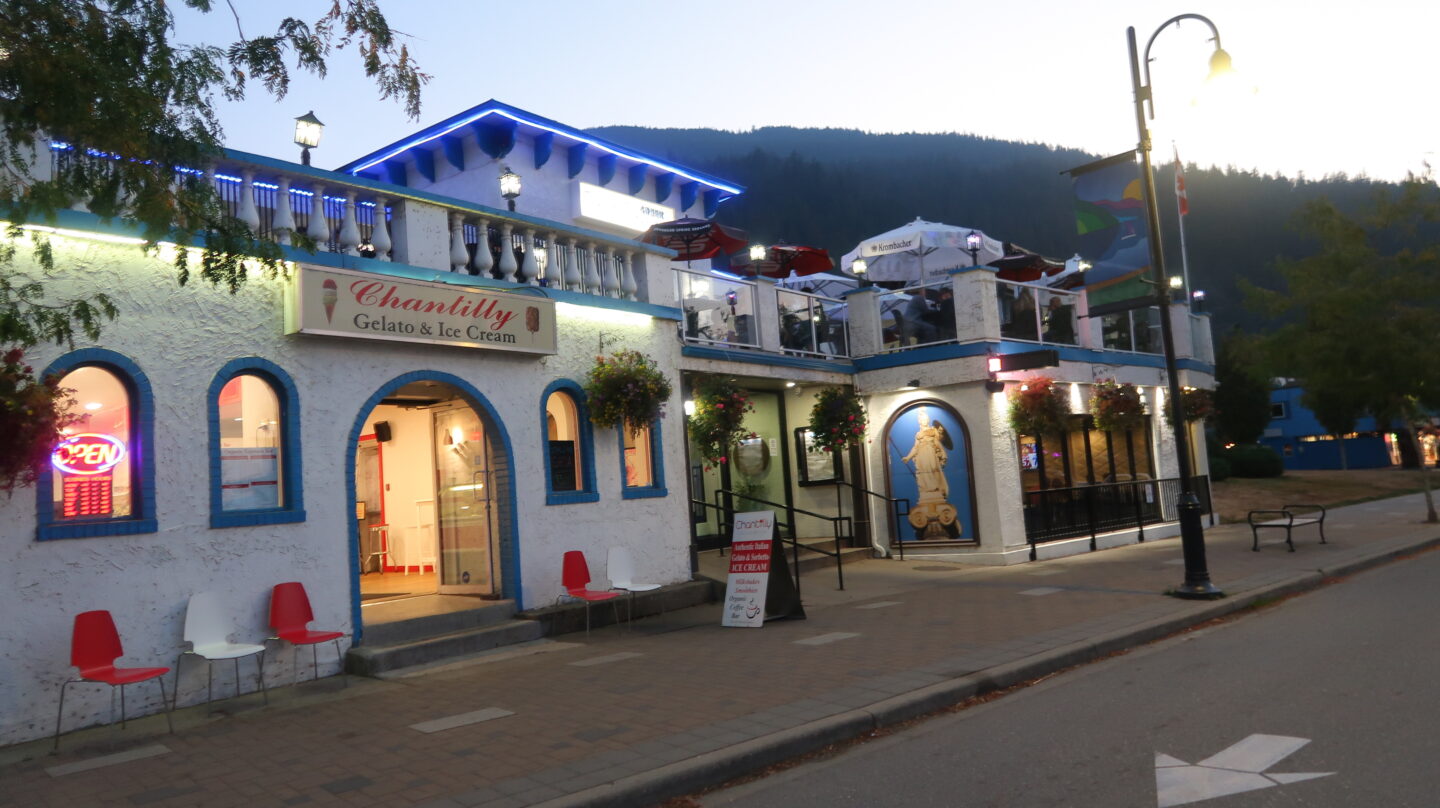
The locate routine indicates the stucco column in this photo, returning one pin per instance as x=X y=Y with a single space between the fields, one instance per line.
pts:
x=380 y=230
x=284 y=223
x=1002 y=513
x=421 y=233
x=507 y=252
x=318 y=227
x=863 y=309
x=977 y=310
x=1204 y=341
x=483 y=261
x=767 y=313
x=1180 y=329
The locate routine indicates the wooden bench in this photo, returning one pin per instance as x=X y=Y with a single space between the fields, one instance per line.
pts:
x=1285 y=518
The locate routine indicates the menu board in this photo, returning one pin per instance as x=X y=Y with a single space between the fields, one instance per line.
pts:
x=562 y=466
x=89 y=495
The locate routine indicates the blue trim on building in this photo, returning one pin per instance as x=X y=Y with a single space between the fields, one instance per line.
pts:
x=588 y=491
x=657 y=466
x=763 y=358
x=514 y=116
x=544 y=147
x=140 y=441
x=511 y=585
x=292 y=491
x=935 y=353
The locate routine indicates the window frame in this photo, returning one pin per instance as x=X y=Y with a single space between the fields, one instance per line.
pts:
x=292 y=487
x=142 y=473
x=656 y=488
x=588 y=491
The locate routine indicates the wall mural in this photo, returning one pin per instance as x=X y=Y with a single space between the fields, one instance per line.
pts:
x=928 y=463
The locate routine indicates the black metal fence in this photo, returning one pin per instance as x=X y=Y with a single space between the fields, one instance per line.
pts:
x=1088 y=510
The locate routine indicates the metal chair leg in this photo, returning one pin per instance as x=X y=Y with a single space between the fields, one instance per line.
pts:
x=59 y=713
x=260 y=676
x=314 y=663
x=209 y=682
x=176 y=699
x=587 y=619
x=344 y=675
x=169 y=722
x=236 y=660
x=122 y=706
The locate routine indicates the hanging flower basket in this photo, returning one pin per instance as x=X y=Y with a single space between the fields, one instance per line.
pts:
x=1196 y=403
x=715 y=428
x=837 y=420
x=32 y=413
x=1116 y=406
x=626 y=388
x=1038 y=407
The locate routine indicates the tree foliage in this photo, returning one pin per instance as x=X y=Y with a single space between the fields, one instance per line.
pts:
x=1242 y=390
x=1363 y=312
x=137 y=110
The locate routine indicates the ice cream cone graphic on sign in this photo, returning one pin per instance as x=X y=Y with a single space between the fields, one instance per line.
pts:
x=330 y=294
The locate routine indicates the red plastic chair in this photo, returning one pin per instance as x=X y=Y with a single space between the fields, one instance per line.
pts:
x=575 y=577
x=94 y=647
x=290 y=617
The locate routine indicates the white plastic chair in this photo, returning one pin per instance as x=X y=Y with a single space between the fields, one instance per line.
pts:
x=620 y=567
x=208 y=629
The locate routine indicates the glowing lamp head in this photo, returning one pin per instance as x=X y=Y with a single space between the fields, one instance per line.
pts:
x=1176 y=282
x=1220 y=64
x=308 y=130
x=1084 y=266
x=690 y=407
x=1198 y=294
x=509 y=184
x=757 y=252
x=993 y=364
x=972 y=241
x=859 y=267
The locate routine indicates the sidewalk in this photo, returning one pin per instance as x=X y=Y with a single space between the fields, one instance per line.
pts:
x=677 y=703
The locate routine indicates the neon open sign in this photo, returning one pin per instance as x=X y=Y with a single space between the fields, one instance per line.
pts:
x=89 y=453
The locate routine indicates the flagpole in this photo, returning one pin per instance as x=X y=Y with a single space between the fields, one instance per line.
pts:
x=1180 y=214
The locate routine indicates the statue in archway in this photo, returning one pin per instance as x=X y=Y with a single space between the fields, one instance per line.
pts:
x=933 y=517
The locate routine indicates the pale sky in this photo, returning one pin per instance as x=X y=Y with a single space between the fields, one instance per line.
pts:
x=1337 y=87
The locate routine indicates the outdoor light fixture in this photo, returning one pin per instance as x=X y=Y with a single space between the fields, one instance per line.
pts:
x=509 y=186
x=789 y=384
x=757 y=253
x=308 y=130
x=972 y=246
x=993 y=384
x=859 y=267
x=1197 y=301
x=1192 y=535
x=1084 y=266
x=689 y=407
x=913 y=384
x=1176 y=282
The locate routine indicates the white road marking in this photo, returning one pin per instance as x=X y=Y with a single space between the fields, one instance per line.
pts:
x=825 y=639
x=1233 y=770
x=461 y=720
x=879 y=605
x=107 y=760
x=1042 y=590
x=601 y=660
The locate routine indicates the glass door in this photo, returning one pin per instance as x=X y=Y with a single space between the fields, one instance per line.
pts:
x=464 y=506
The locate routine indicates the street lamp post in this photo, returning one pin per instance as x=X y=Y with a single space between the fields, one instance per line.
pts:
x=307 y=135
x=1197 y=583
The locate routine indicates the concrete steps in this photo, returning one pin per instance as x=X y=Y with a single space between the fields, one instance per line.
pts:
x=454 y=628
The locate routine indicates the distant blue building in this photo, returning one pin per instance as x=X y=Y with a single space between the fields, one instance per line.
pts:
x=1303 y=443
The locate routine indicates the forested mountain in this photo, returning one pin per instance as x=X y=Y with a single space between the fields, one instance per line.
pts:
x=834 y=187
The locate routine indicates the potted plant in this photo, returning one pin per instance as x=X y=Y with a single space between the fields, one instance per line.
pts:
x=627 y=388
x=1196 y=403
x=32 y=414
x=1038 y=407
x=837 y=420
x=1116 y=406
x=715 y=428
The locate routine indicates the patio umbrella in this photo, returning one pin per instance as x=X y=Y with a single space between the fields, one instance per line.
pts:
x=825 y=284
x=921 y=252
x=695 y=239
x=783 y=260
x=1020 y=264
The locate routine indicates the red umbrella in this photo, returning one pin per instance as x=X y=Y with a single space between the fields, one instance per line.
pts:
x=1019 y=264
x=695 y=239
x=783 y=259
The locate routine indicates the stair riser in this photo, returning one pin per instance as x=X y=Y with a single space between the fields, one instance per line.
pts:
x=437 y=624
x=368 y=661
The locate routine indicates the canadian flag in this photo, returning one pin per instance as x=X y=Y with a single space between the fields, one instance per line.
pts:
x=1180 y=198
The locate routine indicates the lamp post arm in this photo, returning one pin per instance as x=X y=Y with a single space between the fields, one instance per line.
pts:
x=1215 y=37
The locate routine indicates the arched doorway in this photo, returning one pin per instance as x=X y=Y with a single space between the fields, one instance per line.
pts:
x=927 y=449
x=430 y=497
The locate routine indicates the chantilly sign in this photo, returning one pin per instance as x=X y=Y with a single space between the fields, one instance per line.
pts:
x=345 y=303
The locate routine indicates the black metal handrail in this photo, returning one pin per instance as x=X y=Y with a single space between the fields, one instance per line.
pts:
x=1054 y=514
x=836 y=523
x=893 y=502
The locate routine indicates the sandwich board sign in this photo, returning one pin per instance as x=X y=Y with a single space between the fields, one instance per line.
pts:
x=751 y=545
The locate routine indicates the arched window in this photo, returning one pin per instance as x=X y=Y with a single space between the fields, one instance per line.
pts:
x=640 y=462
x=254 y=446
x=568 y=446
x=100 y=479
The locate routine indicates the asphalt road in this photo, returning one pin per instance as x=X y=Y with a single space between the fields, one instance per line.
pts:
x=1352 y=668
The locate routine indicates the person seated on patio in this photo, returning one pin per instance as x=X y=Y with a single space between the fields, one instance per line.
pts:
x=1059 y=322
x=794 y=332
x=943 y=315
x=1023 y=324
x=917 y=315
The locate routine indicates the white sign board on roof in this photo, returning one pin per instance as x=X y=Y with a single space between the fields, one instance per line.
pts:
x=607 y=207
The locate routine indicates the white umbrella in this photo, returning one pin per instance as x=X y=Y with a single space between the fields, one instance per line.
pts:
x=921 y=252
x=825 y=284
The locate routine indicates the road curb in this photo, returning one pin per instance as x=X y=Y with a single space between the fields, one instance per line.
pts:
x=714 y=768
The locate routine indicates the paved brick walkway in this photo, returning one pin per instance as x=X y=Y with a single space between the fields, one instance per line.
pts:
x=564 y=716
